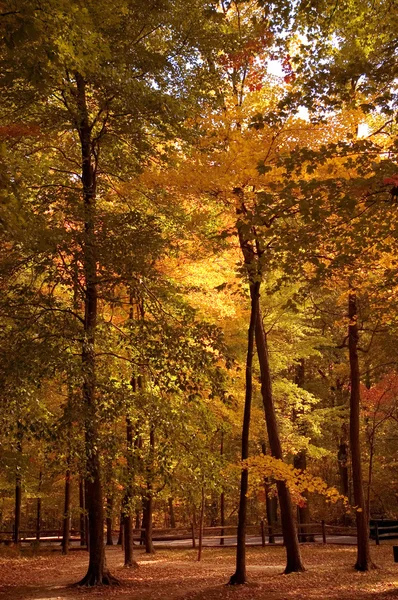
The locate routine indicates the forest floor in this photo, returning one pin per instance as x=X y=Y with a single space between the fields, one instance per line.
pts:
x=176 y=574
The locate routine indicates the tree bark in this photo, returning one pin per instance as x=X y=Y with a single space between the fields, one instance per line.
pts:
x=239 y=577
x=149 y=549
x=300 y=462
x=66 y=517
x=38 y=508
x=289 y=530
x=270 y=504
x=128 y=542
x=18 y=485
x=303 y=512
x=342 y=458
x=109 y=520
x=143 y=523
x=128 y=499
x=82 y=506
x=201 y=522
x=222 y=497
x=97 y=573
x=171 y=513
x=364 y=561
x=253 y=256
x=120 y=539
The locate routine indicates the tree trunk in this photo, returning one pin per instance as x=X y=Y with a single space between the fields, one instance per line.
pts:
x=18 y=502
x=97 y=573
x=171 y=513
x=252 y=256
x=120 y=539
x=137 y=519
x=129 y=542
x=143 y=523
x=342 y=458
x=109 y=510
x=289 y=530
x=38 y=508
x=86 y=517
x=270 y=504
x=239 y=577
x=303 y=512
x=370 y=472
x=66 y=517
x=213 y=511
x=82 y=505
x=300 y=462
x=128 y=499
x=149 y=549
x=364 y=562
x=18 y=486
x=202 y=518
x=222 y=497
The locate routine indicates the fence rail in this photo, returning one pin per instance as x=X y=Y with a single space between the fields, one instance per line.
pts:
x=307 y=532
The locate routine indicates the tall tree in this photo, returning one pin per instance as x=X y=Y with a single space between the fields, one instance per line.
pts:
x=105 y=79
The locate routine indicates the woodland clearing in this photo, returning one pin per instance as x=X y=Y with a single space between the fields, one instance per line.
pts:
x=176 y=574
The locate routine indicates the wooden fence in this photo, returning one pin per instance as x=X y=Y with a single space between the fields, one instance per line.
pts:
x=308 y=532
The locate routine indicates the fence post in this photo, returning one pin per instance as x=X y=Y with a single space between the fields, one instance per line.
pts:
x=262 y=533
x=377 y=534
x=193 y=536
x=323 y=532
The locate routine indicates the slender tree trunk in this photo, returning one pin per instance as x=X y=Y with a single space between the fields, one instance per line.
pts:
x=171 y=513
x=109 y=520
x=67 y=496
x=270 y=504
x=370 y=473
x=289 y=530
x=201 y=523
x=18 y=485
x=129 y=542
x=300 y=462
x=97 y=573
x=253 y=256
x=18 y=502
x=239 y=577
x=143 y=523
x=86 y=517
x=270 y=507
x=137 y=519
x=222 y=518
x=213 y=511
x=120 y=539
x=38 y=507
x=149 y=549
x=364 y=562
x=82 y=505
x=303 y=512
x=128 y=498
x=66 y=517
x=222 y=497
x=342 y=457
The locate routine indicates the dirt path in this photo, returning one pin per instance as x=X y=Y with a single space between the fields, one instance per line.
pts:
x=176 y=575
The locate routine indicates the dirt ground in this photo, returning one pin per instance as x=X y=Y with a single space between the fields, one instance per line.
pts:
x=176 y=574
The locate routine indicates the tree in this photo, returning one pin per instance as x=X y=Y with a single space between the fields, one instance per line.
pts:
x=101 y=74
